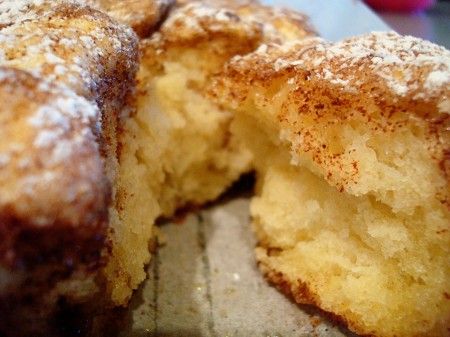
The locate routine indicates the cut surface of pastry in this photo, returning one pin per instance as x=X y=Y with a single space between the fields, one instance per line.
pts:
x=176 y=150
x=351 y=146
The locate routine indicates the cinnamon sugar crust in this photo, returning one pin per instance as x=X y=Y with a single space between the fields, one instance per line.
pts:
x=402 y=78
x=66 y=43
x=235 y=27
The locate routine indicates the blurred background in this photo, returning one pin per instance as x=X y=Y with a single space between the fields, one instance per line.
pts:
x=337 y=19
x=428 y=19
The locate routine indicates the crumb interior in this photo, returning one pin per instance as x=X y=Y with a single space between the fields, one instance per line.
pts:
x=177 y=152
x=377 y=254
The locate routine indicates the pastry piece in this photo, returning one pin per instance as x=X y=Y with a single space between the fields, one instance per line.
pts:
x=67 y=71
x=53 y=212
x=351 y=145
x=176 y=150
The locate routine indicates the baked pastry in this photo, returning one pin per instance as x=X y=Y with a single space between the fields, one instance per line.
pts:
x=66 y=74
x=351 y=146
x=82 y=190
x=176 y=149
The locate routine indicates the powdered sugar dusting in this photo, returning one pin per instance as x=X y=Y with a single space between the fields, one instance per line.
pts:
x=437 y=78
x=141 y=15
x=58 y=57
x=253 y=20
x=394 y=58
x=4 y=159
x=54 y=121
x=198 y=18
x=405 y=64
x=278 y=24
x=10 y=10
x=45 y=50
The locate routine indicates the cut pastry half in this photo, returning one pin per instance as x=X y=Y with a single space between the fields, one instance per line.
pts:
x=176 y=149
x=351 y=146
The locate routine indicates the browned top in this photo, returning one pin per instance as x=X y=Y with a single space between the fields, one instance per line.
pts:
x=142 y=15
x=237 y=27
x=196 y=19
x=63 y=65
x=221 y=3
x=400 y=67
x=401 y=77
x=277 y=24
x=69 y=44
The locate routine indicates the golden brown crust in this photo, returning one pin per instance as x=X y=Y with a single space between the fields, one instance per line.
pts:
x=141 y=15
x=198 y=20
x=66 y=43
x=235 y=27
x=52 y=173
x=401 y=68
x=277 y=24
x=402 y=78
x=66 y=72
x=301 y=292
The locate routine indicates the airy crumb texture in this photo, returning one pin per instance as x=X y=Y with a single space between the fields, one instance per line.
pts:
x=177 y=150
x=351 y=145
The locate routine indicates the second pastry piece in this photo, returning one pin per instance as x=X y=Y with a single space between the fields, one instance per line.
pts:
x=351 y=147
x=177 y=150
